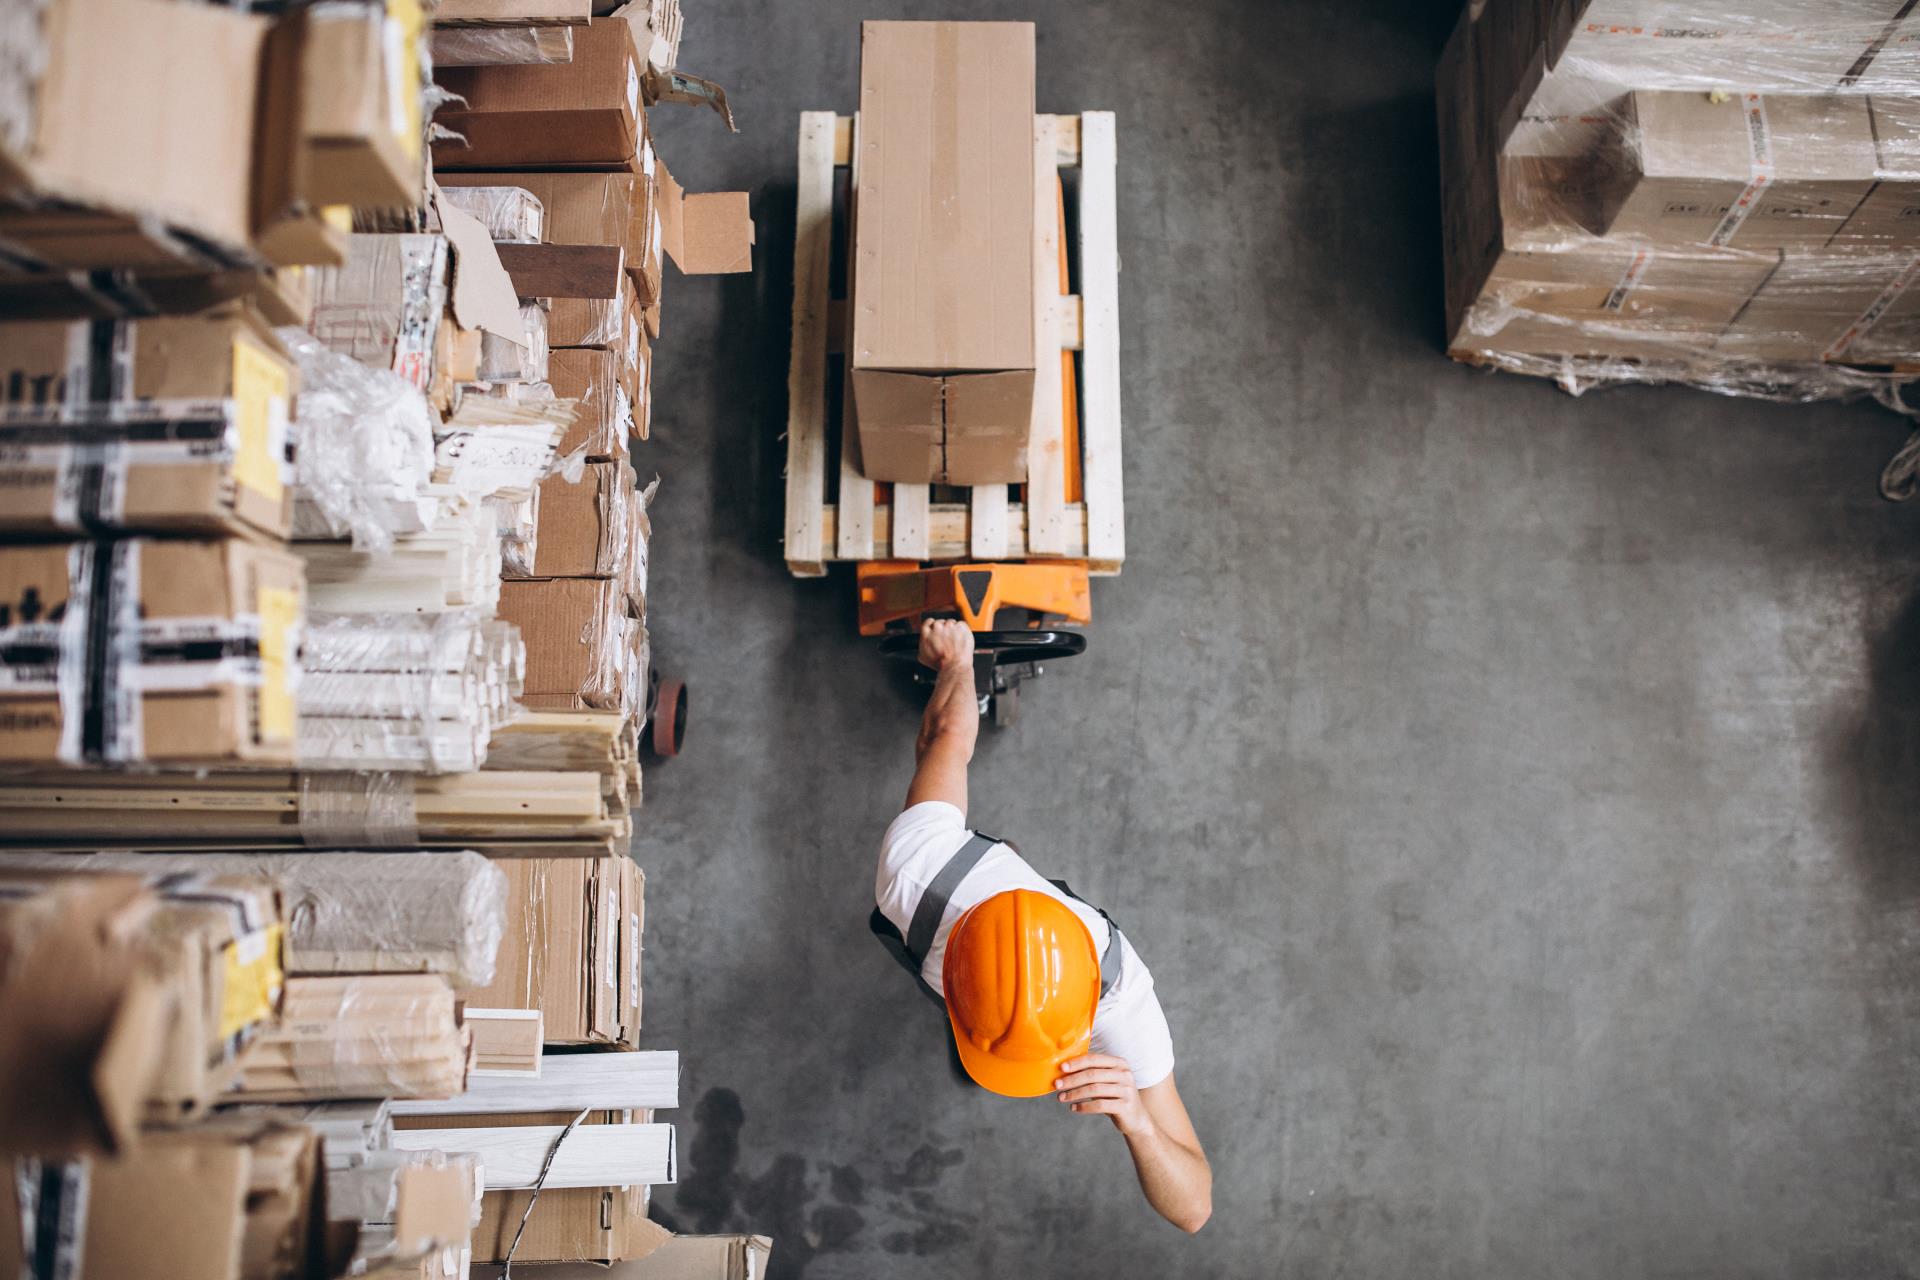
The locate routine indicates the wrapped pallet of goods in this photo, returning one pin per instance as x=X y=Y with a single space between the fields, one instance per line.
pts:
x=1707 y=193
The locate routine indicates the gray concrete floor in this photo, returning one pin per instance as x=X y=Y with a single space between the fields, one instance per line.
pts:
x=1513 y=794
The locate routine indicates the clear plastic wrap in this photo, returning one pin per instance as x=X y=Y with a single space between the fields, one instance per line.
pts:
x=385 y=305
x=502 y=46
x=1714 y=193
x=359 y=1036
x=415 y=693
x=357 y=810
x=512 y=215
x=504 y=361
x=380 y=1194
x=363 y=448
x=351 y=912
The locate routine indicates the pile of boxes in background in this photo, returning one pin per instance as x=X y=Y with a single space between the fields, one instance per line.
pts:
x=1724 y=193
x=323 y=656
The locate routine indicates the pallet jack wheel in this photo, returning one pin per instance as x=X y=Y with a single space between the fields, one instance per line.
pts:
x=667 y=718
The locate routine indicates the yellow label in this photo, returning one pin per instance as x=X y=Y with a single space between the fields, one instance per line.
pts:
x=261 y=391
x=254 y=975
x=404 y=26
x=279 y=616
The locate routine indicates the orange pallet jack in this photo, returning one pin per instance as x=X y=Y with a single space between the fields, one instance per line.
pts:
x=1036 y=597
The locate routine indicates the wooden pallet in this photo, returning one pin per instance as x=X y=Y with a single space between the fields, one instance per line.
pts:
x=987 y=525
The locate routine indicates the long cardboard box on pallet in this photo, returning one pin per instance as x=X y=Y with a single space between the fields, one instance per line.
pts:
x=943 y=243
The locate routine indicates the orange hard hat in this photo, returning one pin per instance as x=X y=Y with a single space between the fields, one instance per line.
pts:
x=1022 y=979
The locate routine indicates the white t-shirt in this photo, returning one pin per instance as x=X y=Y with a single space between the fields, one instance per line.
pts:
x=1128 y=1023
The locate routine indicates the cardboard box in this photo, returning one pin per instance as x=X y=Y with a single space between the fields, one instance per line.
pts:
x=671 y=1257
x=594 y=208
x=579 y=638
x=596 y=379
x=385 y=305
x=196 y=666
x=126 y=1002
x=1780 y=46
x=1799 y=166
x=943 y=272
x=617 y=323
x=243 y=1198
x=585 y=114
x=360 y=95
x=1889 y=218
x=708 y=233
x=1610 y=299
x=568 y=921
x=141 y=110
x=584 y=526
x=194 y=439
x=1832 y=305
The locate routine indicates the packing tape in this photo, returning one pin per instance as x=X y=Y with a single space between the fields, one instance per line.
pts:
x=352 y=810
x=1753 y=107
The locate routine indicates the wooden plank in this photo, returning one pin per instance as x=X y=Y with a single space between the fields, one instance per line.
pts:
x=856 y=491
x=1046 y=492
x=593 y=1155
x=842 y=138
x=807 y=370
x=506 y=1042
x=910 y=521
x=949 y=533
x=564 y=270
x=567 y=1082
x=1100 y=359
x=987 y=532
x=1066 y=140
x=1066 y=319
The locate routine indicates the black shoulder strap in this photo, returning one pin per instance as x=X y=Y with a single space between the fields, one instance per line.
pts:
x=1113 y=960
x=911 y=951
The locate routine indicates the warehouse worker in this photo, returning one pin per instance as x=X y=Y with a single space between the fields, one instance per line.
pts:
x=1042 y=991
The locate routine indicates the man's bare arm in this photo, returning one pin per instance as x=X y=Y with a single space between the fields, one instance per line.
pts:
x=1167 y=1158
x=952 y=724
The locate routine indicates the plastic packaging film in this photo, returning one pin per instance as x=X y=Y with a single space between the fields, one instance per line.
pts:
x=363 y=447
x=411 y=912
x=511 y=214
x=359 y=1036
x=501 y=46
x=1716 y=193
x=503 y=361
x=417 y=693
x=355 y=810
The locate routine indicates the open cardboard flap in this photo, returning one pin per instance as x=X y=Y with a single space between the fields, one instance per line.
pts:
x=677 y=86
x=482 y=294
x=84 y=1025
x=708 y=234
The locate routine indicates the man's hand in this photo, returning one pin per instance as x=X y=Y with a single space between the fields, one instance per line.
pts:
x=1102 y=1085
x=944 y=643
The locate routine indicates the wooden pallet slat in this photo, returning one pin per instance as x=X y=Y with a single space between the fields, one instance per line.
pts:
x=1046 y=490
x=856 y=491
x=807 y=370
x=1100 y=343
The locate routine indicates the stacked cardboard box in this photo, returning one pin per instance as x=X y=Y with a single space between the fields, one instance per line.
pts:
x=1712 y=193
